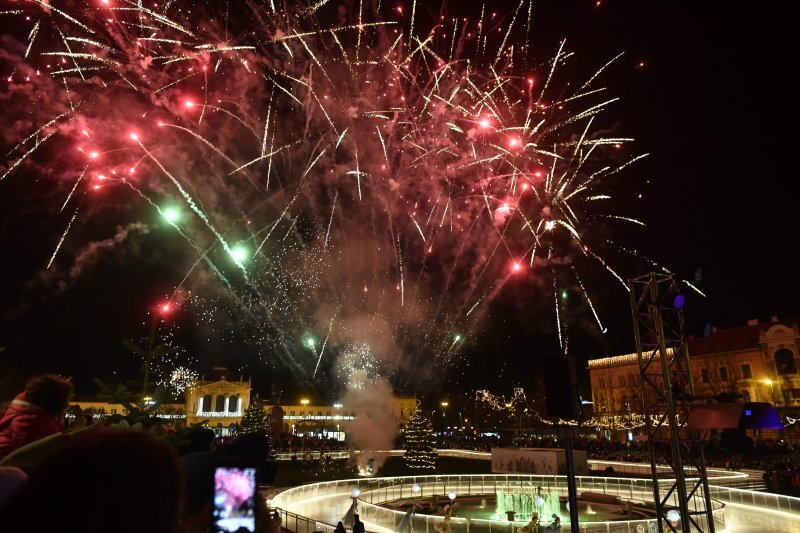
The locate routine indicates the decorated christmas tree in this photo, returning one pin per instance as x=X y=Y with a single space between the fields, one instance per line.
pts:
x=256 y=420
x=420 y=442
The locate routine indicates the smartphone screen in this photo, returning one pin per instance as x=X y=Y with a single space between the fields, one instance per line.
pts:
x=235 y=492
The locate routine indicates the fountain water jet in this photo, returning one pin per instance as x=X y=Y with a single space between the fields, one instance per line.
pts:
x=525 y=501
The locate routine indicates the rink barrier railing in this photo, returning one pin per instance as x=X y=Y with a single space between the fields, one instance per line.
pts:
x=373 y=491
x=597 y=465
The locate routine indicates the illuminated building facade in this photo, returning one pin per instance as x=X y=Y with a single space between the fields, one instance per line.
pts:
x=758 y=362
x=218 y=401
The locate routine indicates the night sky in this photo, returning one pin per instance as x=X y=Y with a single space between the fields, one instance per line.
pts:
x=704 y=89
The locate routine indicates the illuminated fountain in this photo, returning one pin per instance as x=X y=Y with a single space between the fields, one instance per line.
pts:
x=524 y=501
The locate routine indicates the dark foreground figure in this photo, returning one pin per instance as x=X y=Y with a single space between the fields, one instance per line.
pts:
x=123 y=481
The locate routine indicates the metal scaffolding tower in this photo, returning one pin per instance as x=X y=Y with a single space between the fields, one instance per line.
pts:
x=667 y=394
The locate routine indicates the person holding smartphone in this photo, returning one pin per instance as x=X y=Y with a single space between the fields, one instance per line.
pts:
x=221 y=488
x=235 y=496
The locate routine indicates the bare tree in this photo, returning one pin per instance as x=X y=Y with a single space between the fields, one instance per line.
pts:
x=724 y=373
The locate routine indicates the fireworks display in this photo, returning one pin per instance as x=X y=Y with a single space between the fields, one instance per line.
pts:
x=180 y=379
x=357 y=366
x=347 y=182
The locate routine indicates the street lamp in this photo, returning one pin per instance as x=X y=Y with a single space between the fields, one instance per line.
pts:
x=304 y=403
x=349 y=517
x=673 y=516
x=771 y=388
x=444 y=405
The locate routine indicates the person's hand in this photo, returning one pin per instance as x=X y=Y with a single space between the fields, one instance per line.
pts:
x=197 y=522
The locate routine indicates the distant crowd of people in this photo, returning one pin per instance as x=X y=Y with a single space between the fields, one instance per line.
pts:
x=783 y=477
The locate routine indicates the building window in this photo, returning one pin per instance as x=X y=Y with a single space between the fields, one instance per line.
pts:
x=601 y=403
x=704 y=375
x=291 y=413
x=206 y=403
x=723 y=373
x=233 y=404
x=784 y=362
x=794 y=394
x=747 y=373
x=745 y=395
x=220 y=404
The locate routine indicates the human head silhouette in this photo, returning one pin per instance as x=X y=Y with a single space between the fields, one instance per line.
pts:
x=104 y=467
x=50 y=392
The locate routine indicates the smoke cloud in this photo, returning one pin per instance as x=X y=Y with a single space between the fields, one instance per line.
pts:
x=376 y=427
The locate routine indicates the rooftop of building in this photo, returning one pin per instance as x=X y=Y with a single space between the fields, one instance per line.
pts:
x=720 y=341
x=221 y=373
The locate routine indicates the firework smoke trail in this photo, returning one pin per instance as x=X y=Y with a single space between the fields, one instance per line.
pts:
x=466 y=158
x=195 y=208
x=322 y=349
x=64 y=235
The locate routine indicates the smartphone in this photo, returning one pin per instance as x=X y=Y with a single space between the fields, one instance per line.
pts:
x=234 y=506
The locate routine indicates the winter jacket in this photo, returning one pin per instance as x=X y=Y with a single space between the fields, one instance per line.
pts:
x=23 y=423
